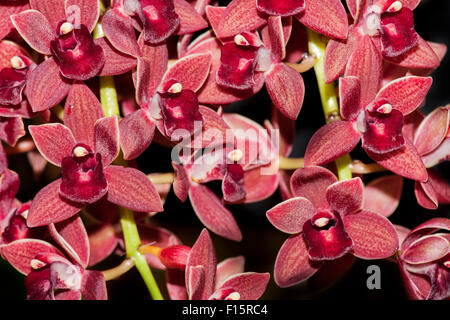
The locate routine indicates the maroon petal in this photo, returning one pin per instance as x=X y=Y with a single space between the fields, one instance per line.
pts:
x=249 y=285
x=132 y=189
x=426 y=195
x=239 y=16
x=365 y=63
x=312 y=183
x=78 y=56
x=438 y=155
x=405 y=162
x=5 y=23
x=277 y=41
x=325 y=236
x=397 y=33
x=83 y=179
x=432 y=131
x=350 y=97
x=336 y=57
x=93 y=286
x=45 y=86
x=382 y=195
x=119 y=30
x=176 y=285
x=346 y=196
x=280 y=8
x=289 y=216
x=106 y=139
x=19 y=253
x=159 y=20
x=212 y=213
x=259 y=186
x=321 y=149
x=374 y=237
x=54 y=141
x=228 y=268
x=86 y=11
x=181 y=182
x=286 y=89
x=49 y=207
x=180 y=112
x=440 y=186
x=102 y=242
x=53 y=10
x=292 y=264
x=383 y=128
x=407 y=93
x=190 y=20
x=136 y=133
x=116 y=62
x=233 y=183
x=421 y=56
x=81 y=111
x=11 y=129
x=8 y=189
x=427 y=249
x=72 y=236
x=34 y=29
x=332 y=22
x=202 y=255
x=190 y=71
x=237 y=67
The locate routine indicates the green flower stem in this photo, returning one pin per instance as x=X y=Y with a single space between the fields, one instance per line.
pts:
x=317 y=46
x=110 y=105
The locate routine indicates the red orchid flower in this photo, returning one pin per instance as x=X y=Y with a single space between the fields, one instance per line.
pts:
x=430 y=136
x=327 y=220
x=52 y=274
x=243 y=64
x=424 y=260
x=8 y=8
x=377 y=123
x=84 y=148
x=248 y=15
x=381 y=29
x=205 y=280
x=156 y=19
x=243 y=177
x=168 y=101
x=61 y=30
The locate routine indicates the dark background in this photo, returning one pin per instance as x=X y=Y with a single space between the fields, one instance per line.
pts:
x=261 y=240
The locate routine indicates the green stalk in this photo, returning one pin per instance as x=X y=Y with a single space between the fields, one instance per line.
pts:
x=110 y=105
x=317 y=46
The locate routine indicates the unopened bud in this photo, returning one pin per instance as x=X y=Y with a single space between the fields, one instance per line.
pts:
x=175 y=257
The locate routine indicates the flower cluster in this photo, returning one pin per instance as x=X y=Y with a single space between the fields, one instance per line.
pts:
x=88 y=87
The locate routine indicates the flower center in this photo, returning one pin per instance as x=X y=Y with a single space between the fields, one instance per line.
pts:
x=373 y=24
x=235 y=155
x=17 y=63
x=395 y=7
x=66 y=28
x=80 y=152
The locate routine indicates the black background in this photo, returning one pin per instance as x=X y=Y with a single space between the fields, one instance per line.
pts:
x=261 y=240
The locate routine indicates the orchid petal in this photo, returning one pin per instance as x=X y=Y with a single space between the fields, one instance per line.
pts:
x=346 y=196
x=289 y=216
x=131 y=189
x=106 y=138
x=350 y=97
x=190 y=20
x=54 y=141
x=374 y=237
x=93 y=286
x=53 y=10
x=116 y=62
x=87 y=11
x=228 y=268
x=136 y=133
x=249 y=285
x=382 y=195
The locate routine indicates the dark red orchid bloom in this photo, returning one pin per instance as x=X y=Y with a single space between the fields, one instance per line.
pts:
x=248 y=15
x=52 y=274
x=243 y=64
x=247 y=169
x=381 y=29
x=377 y=123
x=327 y=220
x=61 y=30
x=205 y=280
x=157 y=20
x=84 y=148
x=168 y=101
x=424 y=260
